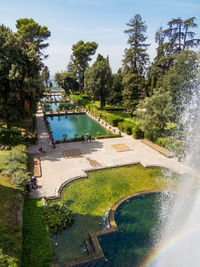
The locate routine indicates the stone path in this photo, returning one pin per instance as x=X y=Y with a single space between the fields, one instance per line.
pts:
x=57 y=169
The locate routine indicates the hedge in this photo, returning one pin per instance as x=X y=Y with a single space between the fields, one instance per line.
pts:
x=81 y=100
x=108 y=136
x=126 y=127
x=108 y=117
x=137 y=132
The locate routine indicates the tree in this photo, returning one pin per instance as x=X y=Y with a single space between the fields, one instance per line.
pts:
x=20 y=82
x=32 y=32
x=82 y=53
x=98 y=80
x=180 y=36
x=45 y=76
x=117 y=88
x=134 y=63
x=180 y=79
x=67 y=81
x=154 y=113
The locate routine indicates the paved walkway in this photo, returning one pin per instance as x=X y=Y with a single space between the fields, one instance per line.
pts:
x=57 y=169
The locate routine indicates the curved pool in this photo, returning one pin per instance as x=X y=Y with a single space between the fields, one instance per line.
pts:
x=138 y=221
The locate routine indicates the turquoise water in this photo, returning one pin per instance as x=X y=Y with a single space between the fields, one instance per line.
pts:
x=74 y=124
x=138 y=221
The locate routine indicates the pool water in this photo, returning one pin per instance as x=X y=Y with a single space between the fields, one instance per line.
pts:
x=74 y=125
x=138 y=222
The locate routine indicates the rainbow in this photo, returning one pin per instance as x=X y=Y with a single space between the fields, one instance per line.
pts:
x=153 y=257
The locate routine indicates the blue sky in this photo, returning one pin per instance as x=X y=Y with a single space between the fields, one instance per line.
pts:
x=102 y=21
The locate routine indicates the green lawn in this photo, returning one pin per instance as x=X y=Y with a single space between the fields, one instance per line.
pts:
x=37 y=249
x=90 y=199
x=10 y=229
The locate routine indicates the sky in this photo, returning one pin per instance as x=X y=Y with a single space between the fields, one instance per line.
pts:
x=102 y=21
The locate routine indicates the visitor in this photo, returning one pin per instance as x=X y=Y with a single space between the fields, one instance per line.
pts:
x=40 y=149
x=90 y=138
x=50 y=142
x=33 y=182
x=54 y=143
x=82 y=138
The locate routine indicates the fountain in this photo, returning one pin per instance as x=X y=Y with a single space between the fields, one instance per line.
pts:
x=177 y=243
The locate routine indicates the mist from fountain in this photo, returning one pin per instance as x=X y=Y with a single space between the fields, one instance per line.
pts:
x=178 y=242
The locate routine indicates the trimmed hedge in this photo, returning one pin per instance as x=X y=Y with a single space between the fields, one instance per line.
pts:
x=108 y=117
x=126 y=127
x=108 y=136
x=137 y=132
x=81 y=100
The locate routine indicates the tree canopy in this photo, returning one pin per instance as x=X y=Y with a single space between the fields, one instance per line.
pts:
x=20 y=82
x=82 y=55
x=98 y=80
x=32 y=32
x=134 y=63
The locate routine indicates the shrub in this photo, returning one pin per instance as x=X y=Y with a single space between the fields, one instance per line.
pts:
x=10 y=136
x=58 y=217
x=161 y=141
x=20 y=178
x=137 y=132
x=152 y=134
x=108 y=136
x=113 y=119
x=16 y=165
x=126 y=127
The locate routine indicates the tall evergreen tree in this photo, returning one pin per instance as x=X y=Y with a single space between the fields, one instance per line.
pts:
x=134 y=63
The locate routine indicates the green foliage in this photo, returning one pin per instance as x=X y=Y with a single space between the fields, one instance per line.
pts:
x=37 y=248
x=82 y=53
x=108 y=117
x=16 y=165
x=108 y=136
x=10 y=136
x=154 y=113
x=58 y=217
x=180 y=78
x=134 y=62
x=45 y=76
x=67 y=81
x=20 y=83
x=81 y=99
x=32 y=32
x=115 y=96
x=98 y=81
x=126 y=127
x=113 y=119
x=10 y=228
x=137 y=132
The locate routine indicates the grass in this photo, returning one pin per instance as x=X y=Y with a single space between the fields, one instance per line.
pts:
x=37 y=249
x=103 y=188
x=10 y=227
x=90 y=199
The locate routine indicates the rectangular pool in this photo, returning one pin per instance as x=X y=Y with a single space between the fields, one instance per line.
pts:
x=74 y=125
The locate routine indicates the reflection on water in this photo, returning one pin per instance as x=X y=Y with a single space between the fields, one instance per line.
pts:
x=74 y=125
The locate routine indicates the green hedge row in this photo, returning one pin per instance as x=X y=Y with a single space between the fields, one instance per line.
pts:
x=108 y=117
x=108 y=136
x=81 y=100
